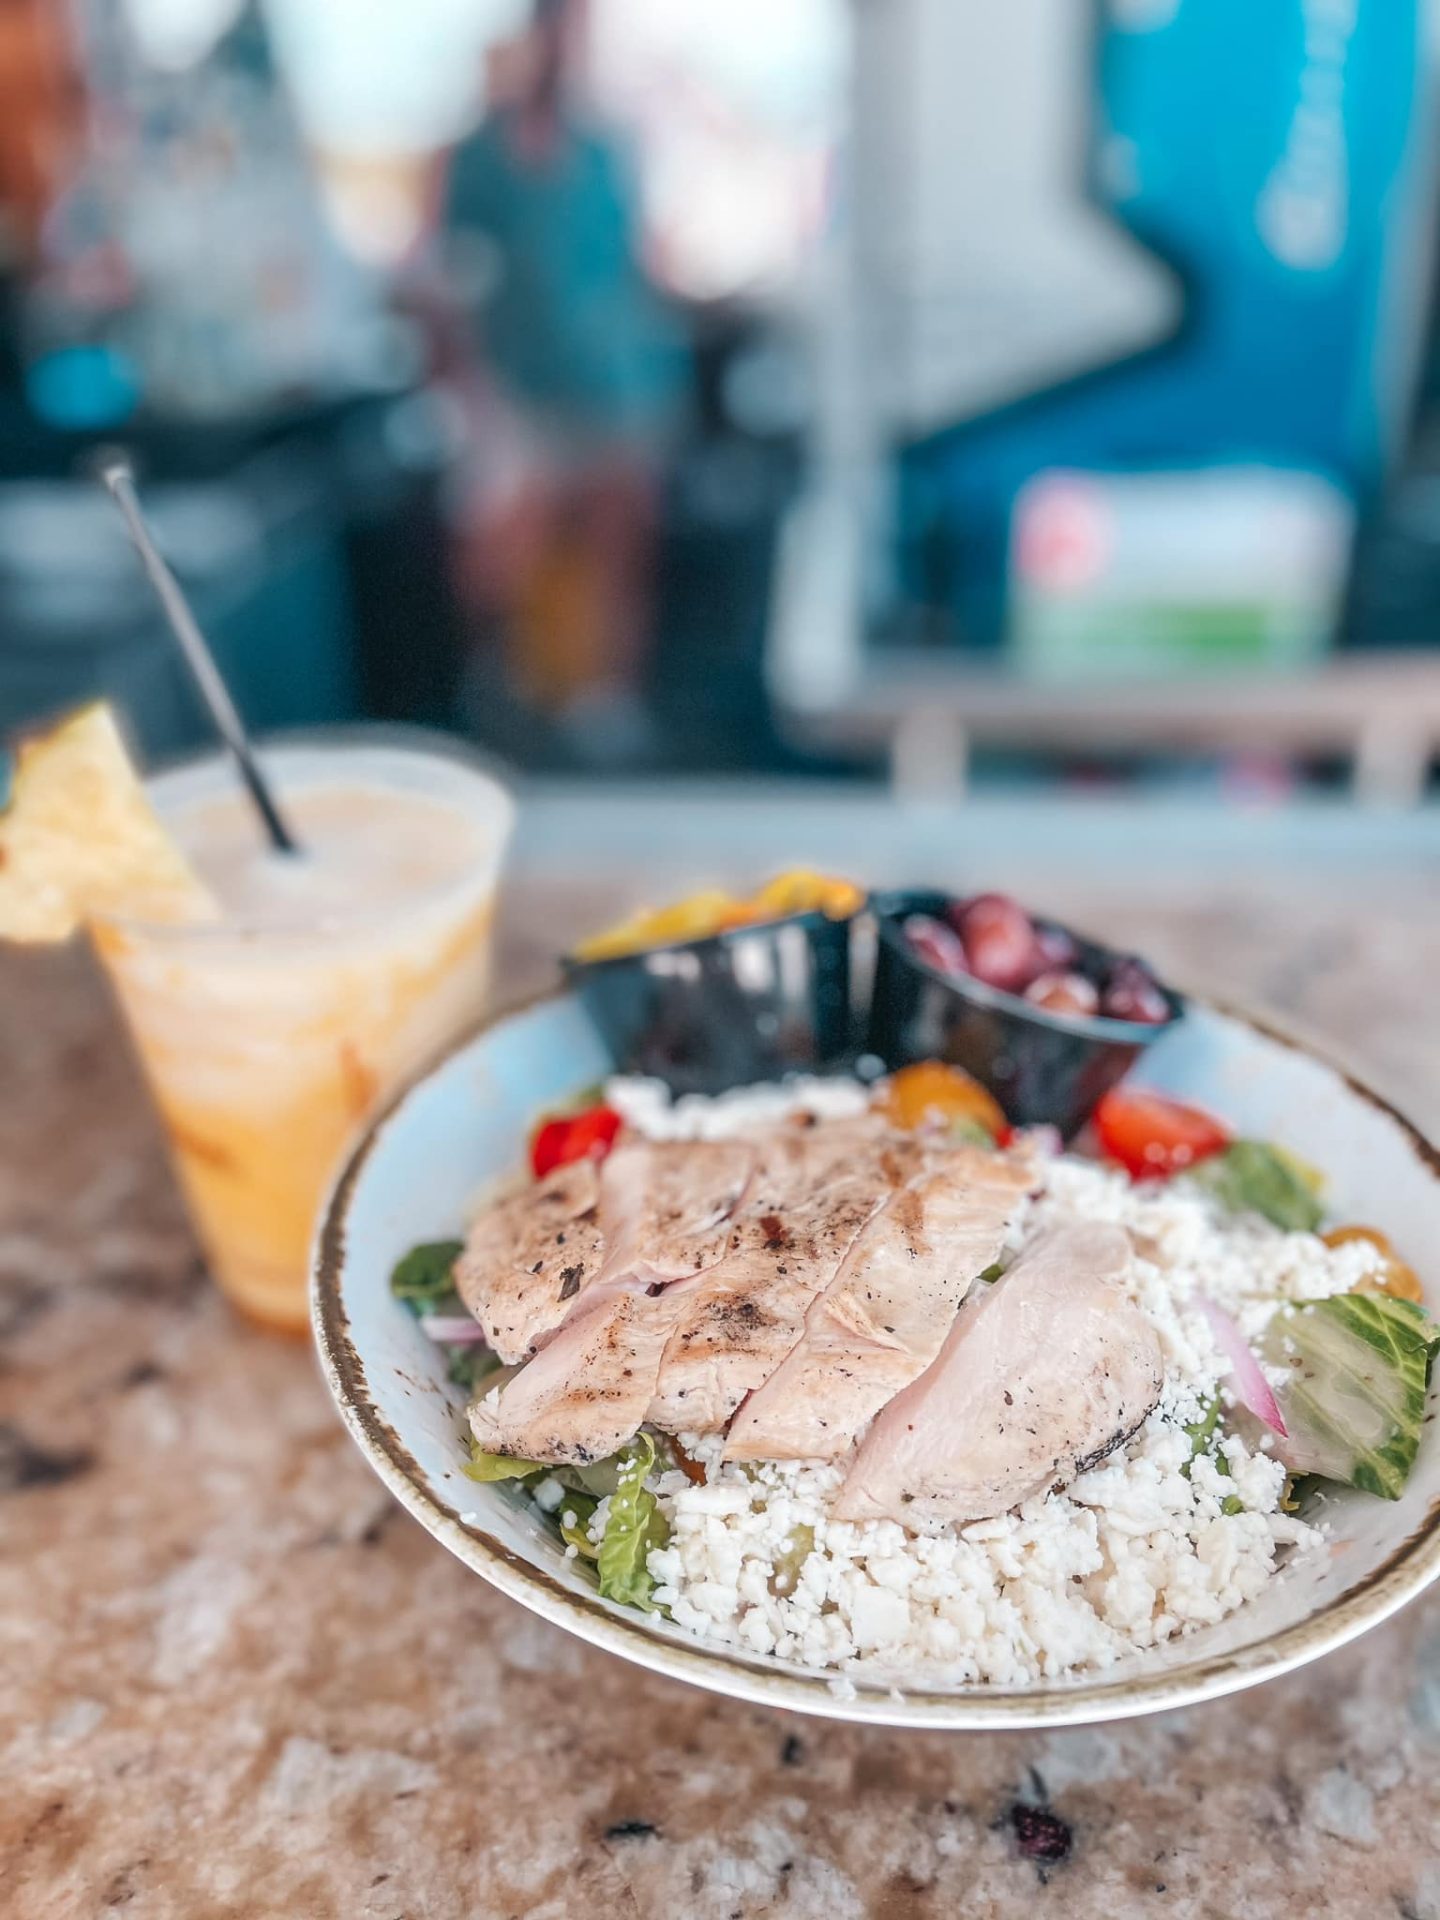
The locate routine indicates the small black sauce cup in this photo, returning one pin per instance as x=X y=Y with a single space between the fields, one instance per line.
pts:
x=751 y=1004
x=1040 y=1066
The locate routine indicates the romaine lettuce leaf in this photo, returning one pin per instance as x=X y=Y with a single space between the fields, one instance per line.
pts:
x=634 y=1525
x=468 y=1366
x=575 y=1533
x=1251 y=1176
x=597 y=1478
x=424 y=1277
x=1354 y=1401
x=489 y=1467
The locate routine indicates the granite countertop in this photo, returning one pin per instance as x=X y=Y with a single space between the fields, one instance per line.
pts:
x=238 y=1680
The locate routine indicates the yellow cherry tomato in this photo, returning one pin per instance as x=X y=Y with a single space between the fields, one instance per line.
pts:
x=931 y=1094
x=1393 y=1275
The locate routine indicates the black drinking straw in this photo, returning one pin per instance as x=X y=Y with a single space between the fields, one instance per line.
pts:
x=118 y=478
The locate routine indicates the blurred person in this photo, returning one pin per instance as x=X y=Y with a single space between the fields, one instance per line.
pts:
x=579 y=380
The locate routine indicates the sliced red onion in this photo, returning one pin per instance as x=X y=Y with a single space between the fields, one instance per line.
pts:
x=1251 y=1387
x=452 y=1329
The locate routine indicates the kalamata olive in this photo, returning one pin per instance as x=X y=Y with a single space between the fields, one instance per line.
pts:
x=935 y=943
x=1064 y=993
x=1132 y=994
x=999 y=941
x=1058 y=949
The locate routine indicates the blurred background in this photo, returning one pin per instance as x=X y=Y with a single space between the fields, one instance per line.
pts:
x=919 y=392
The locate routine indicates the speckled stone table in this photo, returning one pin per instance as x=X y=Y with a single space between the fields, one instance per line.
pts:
x=236 y=1680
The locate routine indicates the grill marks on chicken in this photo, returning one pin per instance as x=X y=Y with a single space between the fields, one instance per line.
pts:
x=529 y=1254
x=687 y=1311
x=815 y=1191
x=808 y=1288
x=655 y=1212
x=585 y=1393
x=666 y=1206
x=882 y=1319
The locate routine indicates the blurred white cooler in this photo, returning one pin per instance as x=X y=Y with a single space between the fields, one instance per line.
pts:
x=270 y=1036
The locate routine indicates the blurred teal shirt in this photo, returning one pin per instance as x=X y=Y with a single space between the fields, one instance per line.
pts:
x=573 y=329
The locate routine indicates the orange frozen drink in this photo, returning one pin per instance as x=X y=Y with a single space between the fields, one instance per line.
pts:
x=316 y=984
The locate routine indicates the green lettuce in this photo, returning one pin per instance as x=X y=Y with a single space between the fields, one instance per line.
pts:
x=469 y=1365
x=576 y=1533
x=1251 y=1176
x=634 y=1525
x=1354 y=1400
x=597 y=1478
x=489 y=1467
x=424 y=1278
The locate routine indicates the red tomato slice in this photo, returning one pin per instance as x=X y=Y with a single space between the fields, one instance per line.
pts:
x=574 y=1136
x=1153 y=1137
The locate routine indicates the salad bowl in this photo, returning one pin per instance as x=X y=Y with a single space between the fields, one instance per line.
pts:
x=420 y=1170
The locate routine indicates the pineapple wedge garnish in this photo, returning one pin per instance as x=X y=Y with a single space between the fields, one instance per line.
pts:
x=80 y=840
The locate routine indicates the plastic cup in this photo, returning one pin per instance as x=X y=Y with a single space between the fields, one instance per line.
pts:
x=267 y=1045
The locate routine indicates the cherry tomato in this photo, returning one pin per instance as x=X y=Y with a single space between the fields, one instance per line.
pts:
x=1152 y=1136
x=1392 y=1275
x=573 y=1136
x=1000 y=941
x=930 y=1094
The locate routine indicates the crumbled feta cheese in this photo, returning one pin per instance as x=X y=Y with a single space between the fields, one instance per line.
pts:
x=646 y=1105
x=1134 y=1552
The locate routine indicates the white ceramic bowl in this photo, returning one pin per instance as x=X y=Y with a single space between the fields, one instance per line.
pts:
x=415 y=1176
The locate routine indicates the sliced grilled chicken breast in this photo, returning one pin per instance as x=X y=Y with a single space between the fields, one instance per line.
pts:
x=883 y=1318
x=729 y=1334
x=684 y=1352
x=529 y=1255
x=814 y=1191
x=585 y=1393
x=665 y=1205
x=657 y=1210
x=1042 y=1374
